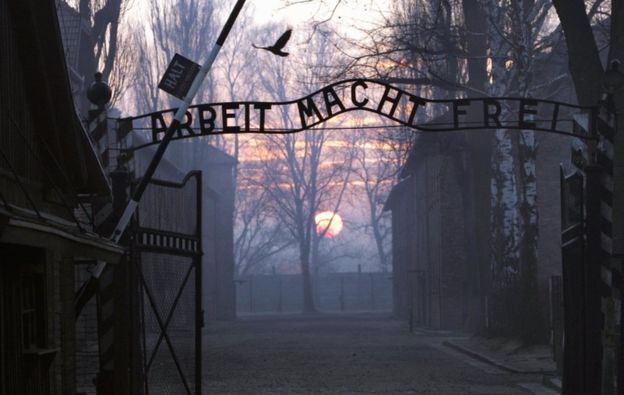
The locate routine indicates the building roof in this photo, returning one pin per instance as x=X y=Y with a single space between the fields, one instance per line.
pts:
x=425 y=145
x=48 y=90
x=434 y=143
x=217 y=156
x=70 y=25
x=210 y=155
x=397 y=190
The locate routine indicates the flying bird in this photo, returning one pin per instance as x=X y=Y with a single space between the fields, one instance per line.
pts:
x=279 y=44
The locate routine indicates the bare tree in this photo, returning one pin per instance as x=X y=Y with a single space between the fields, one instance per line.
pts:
x=102 y=46
x=259 y=235
x=104 y=16
x=173 y=26
x=124 y=69
x=518 y=36
x=299 y=187
x=375 y=168
x=583 y=54
x=302 y=173
x=456 y=49
x=237 y=72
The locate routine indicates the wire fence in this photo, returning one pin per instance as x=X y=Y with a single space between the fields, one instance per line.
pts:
x=333 y=292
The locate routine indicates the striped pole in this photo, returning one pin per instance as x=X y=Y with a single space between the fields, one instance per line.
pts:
x=607 y=283
x=89 y=288
x=173 y=127
x=610 y=264
x=122 y=224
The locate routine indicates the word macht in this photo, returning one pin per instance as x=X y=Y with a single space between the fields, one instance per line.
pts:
x=382 y=99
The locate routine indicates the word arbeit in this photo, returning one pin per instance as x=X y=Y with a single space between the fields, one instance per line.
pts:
x=367 y=95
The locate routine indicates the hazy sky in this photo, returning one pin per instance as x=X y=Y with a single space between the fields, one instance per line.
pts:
x=349 y=15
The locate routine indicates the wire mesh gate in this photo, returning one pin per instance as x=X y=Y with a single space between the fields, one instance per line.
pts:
x=167 y=248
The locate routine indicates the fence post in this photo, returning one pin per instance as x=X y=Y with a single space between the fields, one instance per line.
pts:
x=372 y=290
x=556 y=319
x=342 y=301
x=411 y=306
x=279 y=294
x=359 y=288
x=251 y=304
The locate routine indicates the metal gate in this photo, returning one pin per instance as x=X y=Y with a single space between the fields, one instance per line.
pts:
x=572 y=254
x=167 y=249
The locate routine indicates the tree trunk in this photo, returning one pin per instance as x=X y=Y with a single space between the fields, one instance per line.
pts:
x=308 y=297
x=583 y=59
x=478 y=167
x=532 y=327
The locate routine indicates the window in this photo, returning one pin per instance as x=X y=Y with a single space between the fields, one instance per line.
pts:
x=32 y=311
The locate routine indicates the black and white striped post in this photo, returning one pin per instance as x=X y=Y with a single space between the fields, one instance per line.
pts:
x=188 y=97
x=602 y=290
x=122 y=224
x=610 y=126
x=610 y=155
x=610 y=263
x=175 y=124
x=101 y=281
x=583 y=338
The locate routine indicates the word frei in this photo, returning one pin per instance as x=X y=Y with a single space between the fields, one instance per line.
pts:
x=366 y=95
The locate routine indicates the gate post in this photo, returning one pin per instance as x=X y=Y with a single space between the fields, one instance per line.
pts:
x=591 y=269
x=342 y=294
x=573 y=257
x=556 y=320
x=199 y=297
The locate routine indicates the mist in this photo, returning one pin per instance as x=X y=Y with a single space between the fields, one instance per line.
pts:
x=311 y=196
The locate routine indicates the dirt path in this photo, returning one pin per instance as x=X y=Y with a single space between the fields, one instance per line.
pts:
x=341 y=354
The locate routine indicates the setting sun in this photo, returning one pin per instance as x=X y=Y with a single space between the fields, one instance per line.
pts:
x=329 y=223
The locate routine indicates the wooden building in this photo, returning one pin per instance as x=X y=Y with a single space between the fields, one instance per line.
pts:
x=49 y=174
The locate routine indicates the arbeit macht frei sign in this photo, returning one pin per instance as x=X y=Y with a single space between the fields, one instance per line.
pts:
x=377 y=97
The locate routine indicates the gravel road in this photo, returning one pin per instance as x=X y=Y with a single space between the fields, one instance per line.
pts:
x=343 y=354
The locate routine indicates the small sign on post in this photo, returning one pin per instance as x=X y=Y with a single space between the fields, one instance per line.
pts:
x=179 y=76
x=182 y=79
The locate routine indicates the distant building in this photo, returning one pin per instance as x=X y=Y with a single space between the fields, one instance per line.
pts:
x=431 y=272
x=217 y=167
x=49 y=174
x=436 y=283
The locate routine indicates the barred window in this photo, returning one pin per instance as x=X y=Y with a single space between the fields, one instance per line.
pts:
x=32 y=311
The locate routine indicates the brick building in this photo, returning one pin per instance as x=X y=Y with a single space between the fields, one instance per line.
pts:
x=49 y=175
x=431 y=273
x=436 y=284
